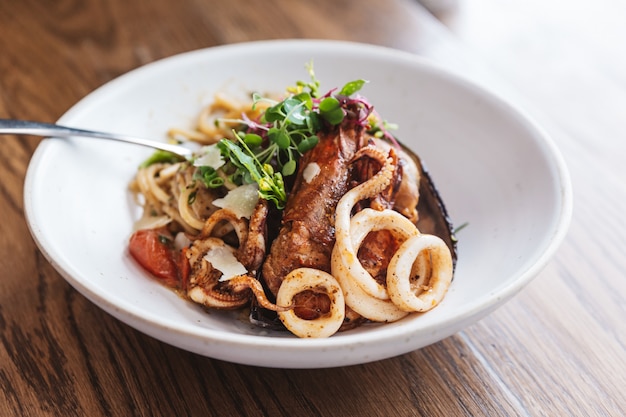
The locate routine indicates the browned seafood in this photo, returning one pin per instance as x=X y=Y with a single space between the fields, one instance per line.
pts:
x=402 y=195
x=205 y=285
x=307 y=234
x=360 y=259
x=350 y=238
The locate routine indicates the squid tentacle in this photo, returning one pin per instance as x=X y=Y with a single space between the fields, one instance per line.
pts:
x=246 y=282
x=205 y=286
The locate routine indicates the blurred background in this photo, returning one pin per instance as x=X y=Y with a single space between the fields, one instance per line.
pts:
x=556 y=349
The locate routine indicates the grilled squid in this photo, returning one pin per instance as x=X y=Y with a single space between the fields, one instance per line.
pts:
x=427 y=258
x=418 y=274
x=302 y=280
x=345 y=266
x=223 y=276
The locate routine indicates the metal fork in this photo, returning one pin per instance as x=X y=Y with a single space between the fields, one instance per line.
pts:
x=24 y=127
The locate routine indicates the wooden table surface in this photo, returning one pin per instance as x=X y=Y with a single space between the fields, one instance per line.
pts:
x=556 y=349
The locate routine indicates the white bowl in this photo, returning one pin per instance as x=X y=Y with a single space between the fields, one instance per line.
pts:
x=495 y=169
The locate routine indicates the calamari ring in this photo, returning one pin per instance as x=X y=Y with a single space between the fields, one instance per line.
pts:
x=372 y=308
x=344 y=255
x=364 y=222
x=303 y=279
x=350 y=273
x=424 y=294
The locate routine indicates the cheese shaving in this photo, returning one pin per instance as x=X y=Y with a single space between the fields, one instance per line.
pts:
x=210 y=156
x=223 y=259
x=240 y=200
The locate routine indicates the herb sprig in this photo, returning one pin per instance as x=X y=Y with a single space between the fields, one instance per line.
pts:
x=266 y=150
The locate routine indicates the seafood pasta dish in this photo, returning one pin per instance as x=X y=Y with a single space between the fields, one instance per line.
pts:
x=303 y=209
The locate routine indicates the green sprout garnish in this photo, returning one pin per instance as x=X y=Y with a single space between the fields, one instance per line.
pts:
x=266 y=150
x=271 y=185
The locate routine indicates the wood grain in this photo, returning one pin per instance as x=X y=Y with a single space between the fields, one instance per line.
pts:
x=565 y=74
x=558 y=348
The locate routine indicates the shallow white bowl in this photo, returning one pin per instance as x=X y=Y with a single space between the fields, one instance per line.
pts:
x=495 y=169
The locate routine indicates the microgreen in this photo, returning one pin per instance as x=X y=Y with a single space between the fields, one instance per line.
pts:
x=352 y=87
x=268 y=149
x=271 y=185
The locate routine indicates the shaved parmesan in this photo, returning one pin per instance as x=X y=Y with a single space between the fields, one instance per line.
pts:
x=310 y=172
x=240 y=200
x=223 y=259
x=210 y=156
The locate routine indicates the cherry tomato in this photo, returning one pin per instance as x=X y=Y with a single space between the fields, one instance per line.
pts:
x=153 y=249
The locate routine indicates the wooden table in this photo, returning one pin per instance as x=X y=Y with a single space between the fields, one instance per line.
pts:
x=558 y=348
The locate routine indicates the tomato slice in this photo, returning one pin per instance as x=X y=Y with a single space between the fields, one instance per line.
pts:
x=153 y=250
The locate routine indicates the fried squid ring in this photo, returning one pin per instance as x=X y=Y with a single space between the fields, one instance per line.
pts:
x=309 y=279
x=372 y=308
x=355 y=280
x=344 y=260
x=431 y=286
x=423 y=256
x=364 y=222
